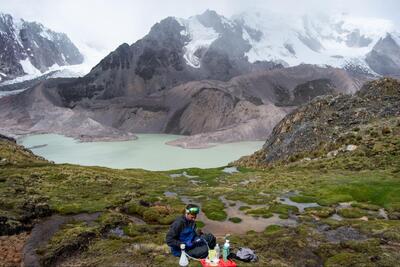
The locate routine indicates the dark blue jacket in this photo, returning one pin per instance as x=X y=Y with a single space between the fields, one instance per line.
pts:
x=181 y=231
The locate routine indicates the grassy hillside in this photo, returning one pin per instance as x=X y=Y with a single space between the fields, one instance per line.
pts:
x=342 y=199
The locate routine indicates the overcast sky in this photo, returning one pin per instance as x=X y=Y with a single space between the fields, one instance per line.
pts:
x=106 y=24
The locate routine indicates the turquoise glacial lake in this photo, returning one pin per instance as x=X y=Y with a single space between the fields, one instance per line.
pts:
x=148 y=152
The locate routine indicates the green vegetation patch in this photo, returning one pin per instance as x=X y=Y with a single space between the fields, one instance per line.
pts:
x=263 y=212
x=144 y=233
x=392 y=235
x=214 y=210
x=371 y=246
x=248 y=196
x=200 y=224
x=283 y=209
x=375 y=188
x=365 y=206
x=346 y=259
x=303 y=199
x=394 y=206
x=272 y=229
x=235 y=219
x=208 y=177
x=321 y=212
x=331 y=199
x=159 y=212
x=352 y=213
x=13 y=154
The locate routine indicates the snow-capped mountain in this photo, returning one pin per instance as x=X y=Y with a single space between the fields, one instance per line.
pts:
x=310 y=39
x=384 y=58
x=339 y=41
x=31 y=48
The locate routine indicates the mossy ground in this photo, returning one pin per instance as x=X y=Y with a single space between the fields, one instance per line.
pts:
x=368 y=177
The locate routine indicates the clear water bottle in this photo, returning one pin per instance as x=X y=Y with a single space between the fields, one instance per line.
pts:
x=225 y=250
x=217 y=251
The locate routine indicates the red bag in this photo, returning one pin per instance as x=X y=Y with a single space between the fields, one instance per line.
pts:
x=221 y=263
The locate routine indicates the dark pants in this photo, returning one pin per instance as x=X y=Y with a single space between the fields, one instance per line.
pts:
x=201 y=250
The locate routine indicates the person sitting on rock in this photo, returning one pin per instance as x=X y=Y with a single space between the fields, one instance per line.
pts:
x=183 y=231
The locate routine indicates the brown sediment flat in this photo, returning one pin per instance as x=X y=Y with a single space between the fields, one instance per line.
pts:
x=11 y=249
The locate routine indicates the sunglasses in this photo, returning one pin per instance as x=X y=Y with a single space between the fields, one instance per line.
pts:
x=193 y=210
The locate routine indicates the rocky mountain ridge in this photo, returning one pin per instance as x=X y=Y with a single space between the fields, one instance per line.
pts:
x=30 y=48
x=329 y=123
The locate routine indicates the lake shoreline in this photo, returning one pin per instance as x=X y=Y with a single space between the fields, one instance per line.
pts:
x=146 y=151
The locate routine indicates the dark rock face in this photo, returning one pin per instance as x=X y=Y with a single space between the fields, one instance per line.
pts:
x=32 y=42
x=71 y=90
x=385 y=57
x=7 y=138
x=304 y=92
x=323 y=119
x=309 y=90
x=9 y=51
x=118 y=59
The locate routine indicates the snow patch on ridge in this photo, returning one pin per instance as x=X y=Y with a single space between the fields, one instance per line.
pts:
x=200 y=37
x=47 y=34
x=7 y=93
x=28 y=67
x=2 y=75
x=396 y=37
